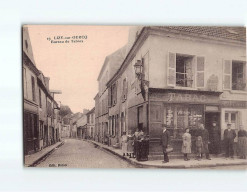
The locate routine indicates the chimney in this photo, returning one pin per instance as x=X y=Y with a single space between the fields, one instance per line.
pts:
x=85 y=111
x=47 y=79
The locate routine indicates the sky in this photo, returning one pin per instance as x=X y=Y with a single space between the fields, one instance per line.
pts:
x=73 y=68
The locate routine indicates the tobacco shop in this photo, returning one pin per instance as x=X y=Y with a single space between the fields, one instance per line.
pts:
x=179 y=109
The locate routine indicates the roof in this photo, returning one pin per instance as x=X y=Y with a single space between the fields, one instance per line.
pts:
x=114 y=60
x=91 y=111
x=232 y=33
x=236 y=33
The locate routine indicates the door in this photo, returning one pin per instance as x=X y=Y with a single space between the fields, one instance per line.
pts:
x=210 y=117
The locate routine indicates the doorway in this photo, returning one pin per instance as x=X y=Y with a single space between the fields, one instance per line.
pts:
x=210 y=117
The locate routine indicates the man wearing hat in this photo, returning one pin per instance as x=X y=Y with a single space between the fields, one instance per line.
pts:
x=165 y=139
x=215 y=138
x=229 y=136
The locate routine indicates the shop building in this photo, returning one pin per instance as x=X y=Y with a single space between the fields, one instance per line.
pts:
x=180 y=76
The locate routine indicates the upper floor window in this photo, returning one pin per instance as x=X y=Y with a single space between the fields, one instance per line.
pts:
x=112 y=95
x=33 y=89
x=40 y=99
x=238 y=82
x=184 y=75
x=125 y=88
x=234 y=77
x=185 y=70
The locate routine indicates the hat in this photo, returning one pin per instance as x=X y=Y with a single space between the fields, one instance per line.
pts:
x=164 y=125
x=214 y=122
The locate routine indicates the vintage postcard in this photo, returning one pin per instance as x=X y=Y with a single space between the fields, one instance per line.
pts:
x=134 y=96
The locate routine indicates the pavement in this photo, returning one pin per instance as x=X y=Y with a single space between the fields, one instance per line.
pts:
x=176 y=163
x=33 y=159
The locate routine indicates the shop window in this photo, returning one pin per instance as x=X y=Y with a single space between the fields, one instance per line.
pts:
x=184 y=75
x=238 y=82
x=169 y=116
x=231 y=118
x=195 y=116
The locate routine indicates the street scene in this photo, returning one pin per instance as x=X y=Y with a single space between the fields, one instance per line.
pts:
x=170 y=97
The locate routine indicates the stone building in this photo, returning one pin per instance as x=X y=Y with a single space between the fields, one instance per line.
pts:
x=180 y=76
x=90 y=124
x=41 y=124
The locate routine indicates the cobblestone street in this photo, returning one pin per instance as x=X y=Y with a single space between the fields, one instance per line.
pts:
x=81 y=154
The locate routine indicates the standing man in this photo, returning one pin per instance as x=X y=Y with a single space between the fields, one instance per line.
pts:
x=205 y=140
x=229 y=136
x=165 y=139
x=215 y=139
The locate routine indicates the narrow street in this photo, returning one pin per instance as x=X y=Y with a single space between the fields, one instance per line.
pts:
x=81 y=154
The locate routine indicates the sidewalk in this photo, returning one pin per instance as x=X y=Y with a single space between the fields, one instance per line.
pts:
x=31 y=160
x=174 y=163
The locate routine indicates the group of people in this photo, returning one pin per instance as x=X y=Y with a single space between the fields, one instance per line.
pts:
x=129 y=143
x=202 y=142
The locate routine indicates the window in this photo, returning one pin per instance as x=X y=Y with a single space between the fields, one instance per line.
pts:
x=33 y=88
x=24 y=82
x=114 y=94
x=183 y=70
x=124 y=92
x=234 y=77
x=231 y=117
x=40 y=99
x=41 y=129
x=238 y=82
x=184 y=75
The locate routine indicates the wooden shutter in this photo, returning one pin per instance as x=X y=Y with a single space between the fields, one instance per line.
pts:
x=200 y=71
x=109 y=96
x=227 y=64
x=171 y=69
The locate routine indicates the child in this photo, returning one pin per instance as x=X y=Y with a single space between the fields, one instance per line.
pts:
x=199 y=146
x=186 y=147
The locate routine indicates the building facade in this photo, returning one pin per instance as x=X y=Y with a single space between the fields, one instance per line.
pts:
x=41 y=124
x=91 y=124
x=188 y=76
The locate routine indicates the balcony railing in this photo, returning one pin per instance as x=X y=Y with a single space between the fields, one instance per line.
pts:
x=183 y=80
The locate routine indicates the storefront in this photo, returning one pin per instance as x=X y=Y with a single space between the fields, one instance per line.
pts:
x=235 y=113
x=179 y=109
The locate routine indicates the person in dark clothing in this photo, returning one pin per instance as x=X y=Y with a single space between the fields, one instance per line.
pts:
x=215 y=139
x=205 y=140
x=242 y=143
x=165 y=140
x=229 y=136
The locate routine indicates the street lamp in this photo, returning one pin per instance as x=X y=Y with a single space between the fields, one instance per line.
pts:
x=138 y=69
x=144 y=84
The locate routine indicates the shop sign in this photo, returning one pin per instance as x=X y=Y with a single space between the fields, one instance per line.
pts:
x=233 y=104
x=173 y=97
x=180 y=97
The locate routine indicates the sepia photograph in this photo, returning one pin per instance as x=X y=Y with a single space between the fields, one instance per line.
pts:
x=167 y=97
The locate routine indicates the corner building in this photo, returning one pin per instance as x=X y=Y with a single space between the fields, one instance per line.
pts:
x=190 y=75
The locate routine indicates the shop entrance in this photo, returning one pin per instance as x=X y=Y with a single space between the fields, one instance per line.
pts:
x=210 y=117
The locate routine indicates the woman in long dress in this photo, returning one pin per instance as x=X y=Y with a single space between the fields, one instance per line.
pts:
x=186 y=146
x=242 y=143
x=124 y=143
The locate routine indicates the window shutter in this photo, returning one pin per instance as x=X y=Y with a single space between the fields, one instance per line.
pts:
x=171 y=69
x=227 y=74
x=200 y=72
x=116 y=86
x=109 y=96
